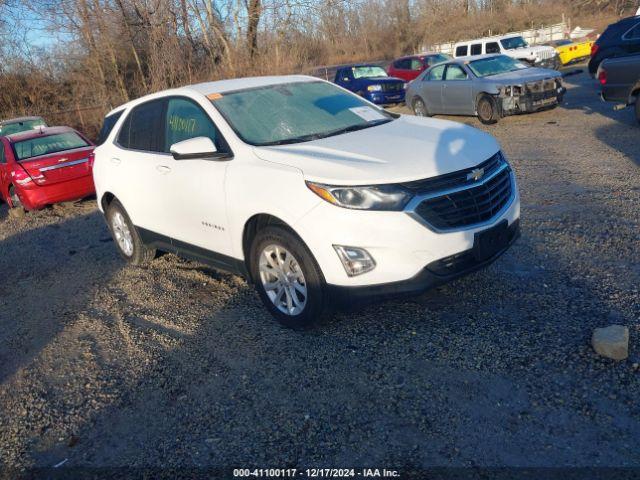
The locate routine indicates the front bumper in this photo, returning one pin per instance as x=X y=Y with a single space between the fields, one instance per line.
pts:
x=434 y=274
x=385 y=98
x=400 y=245
x=531 y=102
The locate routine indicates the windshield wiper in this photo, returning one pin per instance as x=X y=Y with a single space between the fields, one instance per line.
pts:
x=317 y=136
x=288 y=141
x=355 y=128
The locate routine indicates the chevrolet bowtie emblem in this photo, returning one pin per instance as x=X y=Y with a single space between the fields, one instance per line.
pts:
x=475 y=174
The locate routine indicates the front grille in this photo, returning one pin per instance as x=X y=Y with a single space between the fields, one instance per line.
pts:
x=392 y=87
x=465 y=207
x=545 y=54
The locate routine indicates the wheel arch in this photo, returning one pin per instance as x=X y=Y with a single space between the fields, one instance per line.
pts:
x=106 y=199
x=485 y=93
x=634 y=96
x=256 y=223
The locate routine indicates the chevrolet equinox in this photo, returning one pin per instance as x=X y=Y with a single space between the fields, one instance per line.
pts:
x=313 y=194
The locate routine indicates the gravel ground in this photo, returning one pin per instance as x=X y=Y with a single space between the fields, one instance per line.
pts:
x=177 y=365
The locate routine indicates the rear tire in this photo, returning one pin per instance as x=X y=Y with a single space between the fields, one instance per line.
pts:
x=14 y=199
x=487 y=110
x=126 y=237
x=287 y=278
x=419 y=108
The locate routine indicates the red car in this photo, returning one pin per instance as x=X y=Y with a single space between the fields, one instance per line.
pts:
x=44 y=166
x=408 y=68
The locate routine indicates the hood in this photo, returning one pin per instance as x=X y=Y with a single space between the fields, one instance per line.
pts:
x=525 y=75
x=408 y=148
x=533 y=49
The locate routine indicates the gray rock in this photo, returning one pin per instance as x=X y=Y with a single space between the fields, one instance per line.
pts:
x=611 y=342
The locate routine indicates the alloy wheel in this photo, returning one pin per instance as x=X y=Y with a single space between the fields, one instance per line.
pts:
x=282 y=279
x=122 y=233
x=419 y=108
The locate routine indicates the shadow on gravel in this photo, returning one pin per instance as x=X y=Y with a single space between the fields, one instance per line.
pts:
x=48 y=274
x=623 y=135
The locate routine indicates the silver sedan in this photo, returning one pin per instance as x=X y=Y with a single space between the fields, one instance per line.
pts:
x=489 y=86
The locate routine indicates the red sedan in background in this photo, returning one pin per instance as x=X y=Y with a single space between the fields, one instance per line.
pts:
x=408 y=68
x=45 y=166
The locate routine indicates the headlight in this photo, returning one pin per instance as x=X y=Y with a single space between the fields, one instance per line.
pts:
x=375 y=197
x=374 y=88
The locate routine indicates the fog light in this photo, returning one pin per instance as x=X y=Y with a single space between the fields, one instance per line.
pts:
x=356 y=261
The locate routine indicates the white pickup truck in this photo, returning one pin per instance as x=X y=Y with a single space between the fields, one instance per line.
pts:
x=512 y=45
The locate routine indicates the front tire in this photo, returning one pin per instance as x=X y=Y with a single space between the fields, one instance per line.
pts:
x=126 y=237
x=287 y=277
x=487 y=110
x=419 y=108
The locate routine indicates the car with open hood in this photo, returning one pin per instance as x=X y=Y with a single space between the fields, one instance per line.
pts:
x=489 y=86
x=313 y=194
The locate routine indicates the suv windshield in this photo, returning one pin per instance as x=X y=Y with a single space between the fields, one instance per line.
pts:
x=296 y=112
x=485 y=67
x=23 y=126
x=59 y=142
x=513 y=42
x=368 y=72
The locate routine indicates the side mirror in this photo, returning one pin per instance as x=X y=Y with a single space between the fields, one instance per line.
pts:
x=195 y=148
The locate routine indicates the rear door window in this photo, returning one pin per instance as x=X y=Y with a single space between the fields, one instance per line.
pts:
x=476 y=49
x=107 y=126
x=185 y=120
x=492 y=47
x=144 y=128
x=455 y=72
x=416 y=64
x=461 y=51
x=436 y=73
x=403 y=64
x=633 y=34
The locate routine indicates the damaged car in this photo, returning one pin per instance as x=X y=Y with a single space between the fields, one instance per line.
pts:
x=488 y=86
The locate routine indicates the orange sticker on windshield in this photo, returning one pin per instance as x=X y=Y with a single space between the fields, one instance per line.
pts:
x=214 y=96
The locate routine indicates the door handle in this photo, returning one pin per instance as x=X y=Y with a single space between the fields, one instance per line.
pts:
x=115 y=161
x=163 y=169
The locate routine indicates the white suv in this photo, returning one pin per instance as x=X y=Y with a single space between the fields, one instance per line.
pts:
x=513 y=46
x=310 y=192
